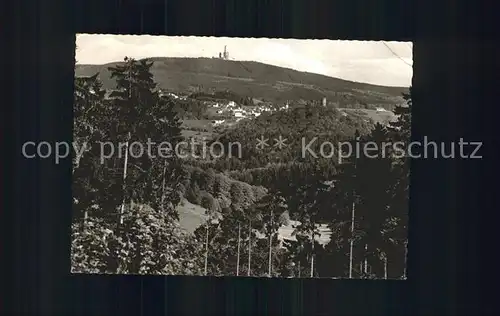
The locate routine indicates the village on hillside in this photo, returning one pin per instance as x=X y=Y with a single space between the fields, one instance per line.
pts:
x=229 y=112
x=269 y=211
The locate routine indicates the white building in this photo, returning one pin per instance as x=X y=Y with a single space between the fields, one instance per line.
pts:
x=284 y=107
x=217 y=122
x=238 y=113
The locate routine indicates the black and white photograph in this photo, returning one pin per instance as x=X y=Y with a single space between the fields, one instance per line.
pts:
x=246 y=157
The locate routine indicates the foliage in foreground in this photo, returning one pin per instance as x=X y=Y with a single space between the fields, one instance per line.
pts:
x=146 y=243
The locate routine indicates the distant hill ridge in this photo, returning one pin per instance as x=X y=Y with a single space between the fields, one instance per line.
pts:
x=257 y=80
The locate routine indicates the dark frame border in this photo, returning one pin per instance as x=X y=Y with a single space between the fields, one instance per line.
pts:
x=41 y=191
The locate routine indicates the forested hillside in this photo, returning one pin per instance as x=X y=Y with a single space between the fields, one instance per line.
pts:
x=302 y=125
x=256 y=80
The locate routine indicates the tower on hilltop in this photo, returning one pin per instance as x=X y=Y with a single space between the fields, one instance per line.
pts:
x=225 y=54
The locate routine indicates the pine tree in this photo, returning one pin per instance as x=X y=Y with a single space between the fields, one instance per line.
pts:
x=401 y=128
x=211 y=206
x=272 y=207
x=90 y=117
x=344 y=220
x=148 y=240
x=398 y=227
x=237 y=207
x=142 y=116
x=305 y=206
x=363 y=199
x=374 y=188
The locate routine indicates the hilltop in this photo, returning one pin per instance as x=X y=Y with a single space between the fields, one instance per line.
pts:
x=257 y=80
x=295 y=125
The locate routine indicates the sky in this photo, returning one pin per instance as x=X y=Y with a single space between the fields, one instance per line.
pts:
x=375 y=62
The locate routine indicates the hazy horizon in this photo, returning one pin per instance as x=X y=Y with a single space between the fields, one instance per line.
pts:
x=373 y=62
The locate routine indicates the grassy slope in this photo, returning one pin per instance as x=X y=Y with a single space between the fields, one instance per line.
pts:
x=192 y=216
x=377 y=117
x=257 y=80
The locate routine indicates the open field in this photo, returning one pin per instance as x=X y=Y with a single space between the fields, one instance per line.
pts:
x=197 y=124
x=192 y=216
x=199 y=129
x=382 y=117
